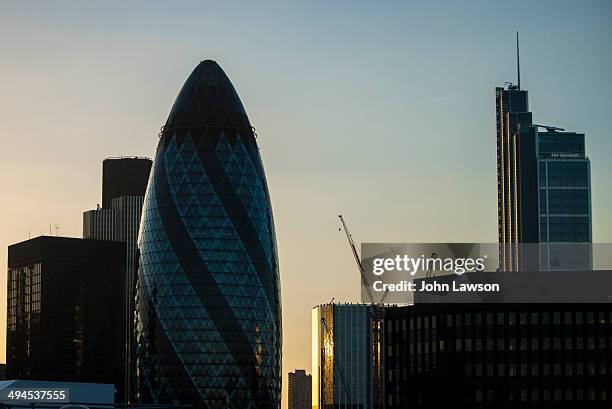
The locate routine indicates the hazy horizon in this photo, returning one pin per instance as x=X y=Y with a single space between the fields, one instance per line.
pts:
x=381 y=112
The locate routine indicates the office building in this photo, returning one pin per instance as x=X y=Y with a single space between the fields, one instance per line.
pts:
x=346 y=365
x=498 y=355
x=124 y=182
x=511 y=111
x=119 y=222
x=300 y=390
x=123 y=177
x=555 y=197
x=544 y=193
x=543 y=189
x=208 y=314
x=65 y=310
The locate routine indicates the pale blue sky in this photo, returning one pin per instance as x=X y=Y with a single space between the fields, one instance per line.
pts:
x=382 y=111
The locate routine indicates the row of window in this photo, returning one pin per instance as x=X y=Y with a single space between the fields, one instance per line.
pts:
x=527 y=395
x=563 y=173
x=424 y=348
x=564 y=201
x=547 y=395
x=501 y=318
x=501 y=344
x=510 y=369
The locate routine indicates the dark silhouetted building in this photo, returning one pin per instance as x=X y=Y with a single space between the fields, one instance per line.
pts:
x=65 y=319
x=124 y=182
x=345 y=357
x=208 y=313
x=125 y=176
x=300 y=390
x=498 y=356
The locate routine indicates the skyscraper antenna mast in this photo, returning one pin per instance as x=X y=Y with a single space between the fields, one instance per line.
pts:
x=518 y=61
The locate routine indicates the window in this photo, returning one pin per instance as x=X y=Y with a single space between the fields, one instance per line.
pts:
x=500 y=318
x=568 y=173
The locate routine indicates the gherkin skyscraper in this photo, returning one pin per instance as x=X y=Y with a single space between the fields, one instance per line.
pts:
x=208 y=312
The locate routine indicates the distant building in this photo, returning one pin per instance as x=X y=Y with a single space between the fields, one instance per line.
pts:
x=300 y=390
x=498 y=355
x=346 y=366
x=511 y=111
x=125 y=176
x=124 y=182
x=555 y=197
x=543 y=190
x=65 y=314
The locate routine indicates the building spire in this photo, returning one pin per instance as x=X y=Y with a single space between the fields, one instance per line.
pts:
x=518 y=60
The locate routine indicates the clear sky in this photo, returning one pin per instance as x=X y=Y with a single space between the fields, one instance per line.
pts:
x=380 y=110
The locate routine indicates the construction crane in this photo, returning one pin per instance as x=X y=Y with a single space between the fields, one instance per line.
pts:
x=364 y=278
x=549 y=128
x=377 y=314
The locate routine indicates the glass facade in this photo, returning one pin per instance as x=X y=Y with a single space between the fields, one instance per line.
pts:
x=564 y=200
x=346 y=353
x=564 y=188
x=543 y=183
x=208 y=313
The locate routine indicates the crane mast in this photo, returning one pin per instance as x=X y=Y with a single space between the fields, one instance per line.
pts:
x=377 y=314
x=364 y=279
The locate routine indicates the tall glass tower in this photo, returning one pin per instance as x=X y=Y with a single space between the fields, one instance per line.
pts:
x=208 y=313
x=511 y=111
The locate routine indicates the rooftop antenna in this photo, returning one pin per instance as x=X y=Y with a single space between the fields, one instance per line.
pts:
x=518 y=60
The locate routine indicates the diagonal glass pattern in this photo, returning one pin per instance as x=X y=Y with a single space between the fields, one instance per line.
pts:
x=208 y=314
